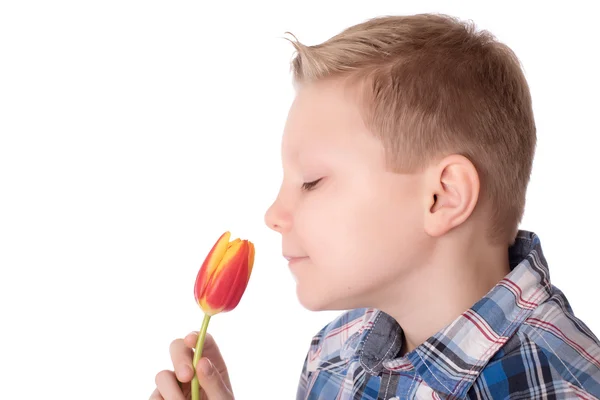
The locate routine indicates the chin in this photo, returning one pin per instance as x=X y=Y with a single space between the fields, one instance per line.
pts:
x=311 y=301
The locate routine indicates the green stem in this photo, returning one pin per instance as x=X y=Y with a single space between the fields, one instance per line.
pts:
x=197 y=356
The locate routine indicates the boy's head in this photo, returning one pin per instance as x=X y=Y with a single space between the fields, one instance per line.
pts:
x=407 y=136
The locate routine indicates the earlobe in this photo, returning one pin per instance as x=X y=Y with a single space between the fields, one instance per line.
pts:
x=453 y=194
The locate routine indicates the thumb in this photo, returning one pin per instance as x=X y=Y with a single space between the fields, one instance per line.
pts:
x=211 y=381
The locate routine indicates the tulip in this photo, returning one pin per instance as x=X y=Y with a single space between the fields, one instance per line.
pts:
x=220 y=285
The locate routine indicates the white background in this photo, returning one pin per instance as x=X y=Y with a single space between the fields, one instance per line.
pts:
x=133 y=133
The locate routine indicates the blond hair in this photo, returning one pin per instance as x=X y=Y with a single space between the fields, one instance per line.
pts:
x=435 y=86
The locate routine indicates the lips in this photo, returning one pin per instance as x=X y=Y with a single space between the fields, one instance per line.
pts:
x=293 y=260
x=289 y=258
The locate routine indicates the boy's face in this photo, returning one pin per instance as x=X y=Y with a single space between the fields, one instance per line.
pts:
x=360 y=228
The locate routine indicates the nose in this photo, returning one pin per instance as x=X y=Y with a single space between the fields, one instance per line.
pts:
x=277 y=217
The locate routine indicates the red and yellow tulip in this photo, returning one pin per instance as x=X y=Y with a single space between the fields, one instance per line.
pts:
x=220 y=285
x=224 y=275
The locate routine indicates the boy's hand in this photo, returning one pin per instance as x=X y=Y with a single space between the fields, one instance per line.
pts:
x=213 y=387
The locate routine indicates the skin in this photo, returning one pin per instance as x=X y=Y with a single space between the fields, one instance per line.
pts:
x=410 y=245
x=215 y=386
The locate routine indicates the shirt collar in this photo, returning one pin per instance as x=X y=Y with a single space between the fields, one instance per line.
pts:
x=451 y=360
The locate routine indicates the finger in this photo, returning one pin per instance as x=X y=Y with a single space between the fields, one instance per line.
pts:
x=210 y=351
x=211 y=381
x=156 y=395
x=167 y=386
x=209 y=341
x=191 y=338
x=181 y=357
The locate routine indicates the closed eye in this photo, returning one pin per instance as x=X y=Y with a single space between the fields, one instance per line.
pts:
x=310 y=185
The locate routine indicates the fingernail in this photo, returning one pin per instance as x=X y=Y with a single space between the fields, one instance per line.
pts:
x=207 y=367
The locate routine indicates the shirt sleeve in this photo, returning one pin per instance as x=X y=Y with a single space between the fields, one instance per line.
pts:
x=303 y=382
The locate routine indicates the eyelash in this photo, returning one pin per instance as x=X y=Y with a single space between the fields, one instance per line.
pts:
x=309 y=185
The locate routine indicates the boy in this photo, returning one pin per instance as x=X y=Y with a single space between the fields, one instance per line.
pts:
x=406 y=154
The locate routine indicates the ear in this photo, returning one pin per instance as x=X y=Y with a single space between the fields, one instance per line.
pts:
x=452 y=191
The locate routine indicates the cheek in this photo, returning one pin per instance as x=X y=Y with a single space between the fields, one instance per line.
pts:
x=356 y=244
x=375 y=234
x=329 y=227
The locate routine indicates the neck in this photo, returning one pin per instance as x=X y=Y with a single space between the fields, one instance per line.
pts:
x=456 y=276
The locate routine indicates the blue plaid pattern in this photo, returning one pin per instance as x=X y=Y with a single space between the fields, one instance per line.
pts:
x=521 y=341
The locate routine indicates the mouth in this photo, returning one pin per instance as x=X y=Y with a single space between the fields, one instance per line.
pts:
x=295 y=260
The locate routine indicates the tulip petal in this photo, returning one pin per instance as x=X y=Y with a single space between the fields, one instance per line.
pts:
x=237 y=290
x=233 y=242
x=239 y=284
x=250 y=258
x=232 y=252
x=210 y=264
x=227 y=280
x=207 y=309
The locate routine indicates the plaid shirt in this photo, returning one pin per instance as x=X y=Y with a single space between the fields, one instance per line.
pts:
x=521 y=341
